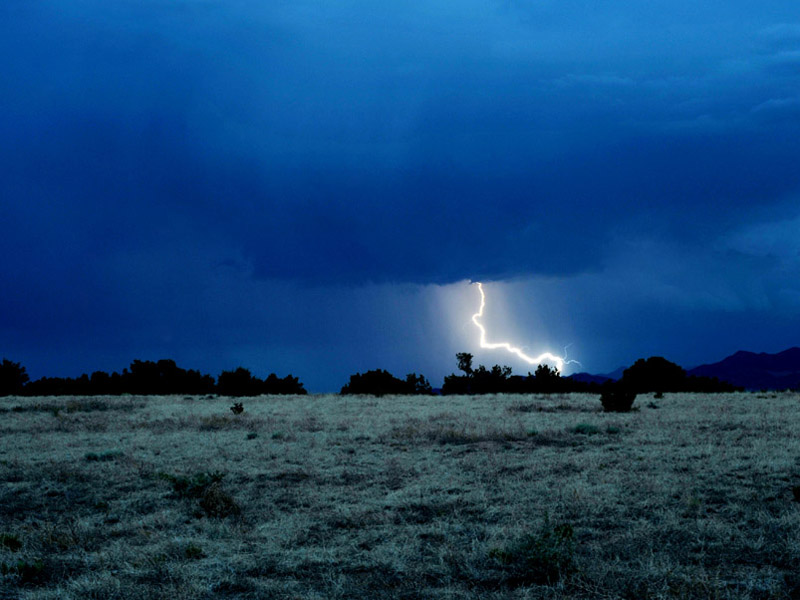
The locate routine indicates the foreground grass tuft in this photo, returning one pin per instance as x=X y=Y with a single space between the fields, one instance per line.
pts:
x=192 y=486
x=194 y=552
x=103 y=456
x=215 y=502
x=10 y=541
x=542 y=558
x=25 y=572
x=586 y=429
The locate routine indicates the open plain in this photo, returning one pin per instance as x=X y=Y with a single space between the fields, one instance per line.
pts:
x=689 y=496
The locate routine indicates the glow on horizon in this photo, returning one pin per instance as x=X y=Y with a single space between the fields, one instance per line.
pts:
x=545 y=357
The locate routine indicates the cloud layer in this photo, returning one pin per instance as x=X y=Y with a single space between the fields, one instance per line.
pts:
x=188 y=148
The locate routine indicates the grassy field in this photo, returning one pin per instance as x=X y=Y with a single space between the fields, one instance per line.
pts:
x=398 y=497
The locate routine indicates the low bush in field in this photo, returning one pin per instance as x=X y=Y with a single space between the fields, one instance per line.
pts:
x=192 y=486
x=541 y=558
x=103 y=456
x=10 y=541
x=585 y=429
x=617 y=400
x=207 y=488
x=27 y=572
x=215 y=502
x=194 y=552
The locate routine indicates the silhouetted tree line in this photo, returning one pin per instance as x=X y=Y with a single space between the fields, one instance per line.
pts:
x=242 y=383
x=164 y=377
x=499 y=380
x=381 y=383
x=145 y=377
x=654 y=374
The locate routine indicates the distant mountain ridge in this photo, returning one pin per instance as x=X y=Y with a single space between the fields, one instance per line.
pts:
x=615 y=375
x=762 y=371
x=588 y=378
x=750 y=370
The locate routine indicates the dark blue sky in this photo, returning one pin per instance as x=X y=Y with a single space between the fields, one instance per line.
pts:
x=307 y=187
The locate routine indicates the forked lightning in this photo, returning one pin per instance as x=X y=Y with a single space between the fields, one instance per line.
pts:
x=546 y=357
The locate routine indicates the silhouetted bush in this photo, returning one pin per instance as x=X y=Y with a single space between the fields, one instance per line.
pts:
x=476 y=381
x=490 y=381
x=165 y=377
x=616 y=398
x=418 y=385
x=12 y=378
x=102 y=384
x=243 y=383
x=548 y=380
x=456 y=384
x=238 y=383
x=381 y=383
x=655 y=374
x=499 y=380
x=464 y=362
x=459 y=384
x=288 y=385
x=700 y=384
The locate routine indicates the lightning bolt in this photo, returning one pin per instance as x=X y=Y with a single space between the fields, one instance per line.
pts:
x=546 y=357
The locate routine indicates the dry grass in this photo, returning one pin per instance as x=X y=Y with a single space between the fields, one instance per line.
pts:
x=456 y=497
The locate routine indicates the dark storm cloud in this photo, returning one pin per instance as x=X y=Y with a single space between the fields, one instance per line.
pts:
x=188 y=162
x=406 y=144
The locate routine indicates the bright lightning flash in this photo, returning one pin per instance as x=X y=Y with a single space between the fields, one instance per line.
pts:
x=547 y=357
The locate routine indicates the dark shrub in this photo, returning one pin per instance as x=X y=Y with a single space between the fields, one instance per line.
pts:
x=655 y=374
x=615 y=399
x=239 y=383
x=162 y=377
x=217 y=503
x=103 y=456
x=27 y=572
x=194 y=552
x=10 y=541
x=380 y=383
x=541 y=558
x=499 y=380
x=192 y=486
x=243 y=383
x=12 y=378
x=585 y=429
x=286 y=385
